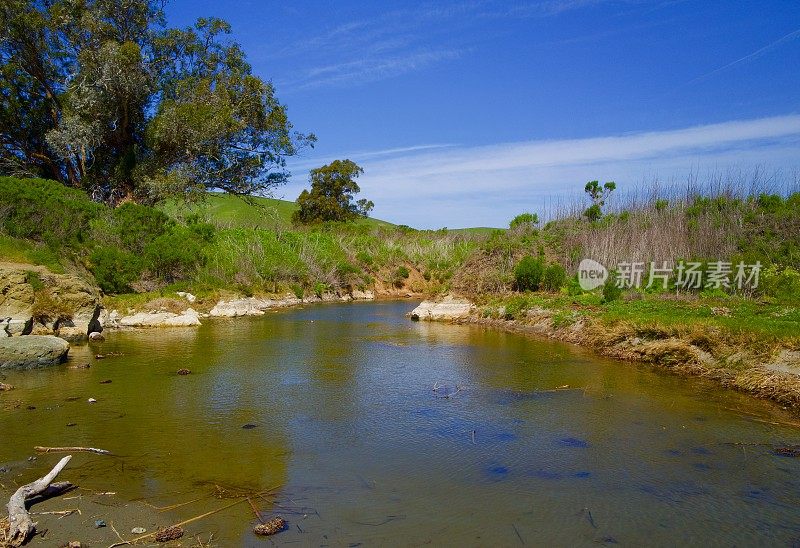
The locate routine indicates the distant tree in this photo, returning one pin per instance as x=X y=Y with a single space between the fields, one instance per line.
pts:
x=598 y=194
x=331 y=197
x=524 y=219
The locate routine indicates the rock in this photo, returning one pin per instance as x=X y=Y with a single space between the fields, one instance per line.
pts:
x=170 y=533
x=74 y=544
x=99 y=523
x=359 y=295
x=92 y=400
x=188 y=296
x=74 y=335
x=138 y=530
x=96 y=336
x=184 y=372
x=249 y=306
x=274 y=525
x=109 y=319
x=448 y=309
x=32 y=351
x=41 y=329
x=188 y=318
x=5 y=387
x=28 y=289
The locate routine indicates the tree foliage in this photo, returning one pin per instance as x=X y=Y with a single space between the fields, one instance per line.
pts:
x=333 y=187
x=598 y=194
x=101 y=96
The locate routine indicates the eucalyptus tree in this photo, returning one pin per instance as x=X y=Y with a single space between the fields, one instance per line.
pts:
x=102 y=96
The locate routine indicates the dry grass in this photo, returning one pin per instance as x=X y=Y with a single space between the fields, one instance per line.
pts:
x=167 y=304
x=4 y=540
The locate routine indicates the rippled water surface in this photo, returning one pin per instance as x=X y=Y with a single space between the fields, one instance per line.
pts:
x=343 y=418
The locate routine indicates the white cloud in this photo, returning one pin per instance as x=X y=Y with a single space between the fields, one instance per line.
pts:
x=486 y=185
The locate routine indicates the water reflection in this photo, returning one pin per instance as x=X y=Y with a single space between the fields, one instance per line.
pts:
x=340 y=409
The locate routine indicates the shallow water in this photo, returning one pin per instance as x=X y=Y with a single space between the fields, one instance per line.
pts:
x=347 y=424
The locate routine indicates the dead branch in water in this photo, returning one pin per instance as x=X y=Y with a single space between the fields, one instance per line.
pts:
x=20 y=525
x=71 y=450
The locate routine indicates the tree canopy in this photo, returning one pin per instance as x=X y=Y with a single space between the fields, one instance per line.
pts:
x=331 y=197
x=102 y=96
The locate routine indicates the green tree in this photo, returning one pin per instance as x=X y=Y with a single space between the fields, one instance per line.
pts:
x=100 y=95
x=524 y=220
x=331 y=197
x=598 y=194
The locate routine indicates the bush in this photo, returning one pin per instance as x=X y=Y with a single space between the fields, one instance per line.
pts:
x=45 y=211
x=399 y=275
x=173 y=255
x=554 y=277
x=136 y=225
x=115 y=270
x=528 y=274
x=782 y=285
x=611 y=291
x=524 y=219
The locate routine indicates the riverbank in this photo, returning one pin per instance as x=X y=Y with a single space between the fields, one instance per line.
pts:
x=746 y=346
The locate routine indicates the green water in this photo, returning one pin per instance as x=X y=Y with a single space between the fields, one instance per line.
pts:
x=364 y=451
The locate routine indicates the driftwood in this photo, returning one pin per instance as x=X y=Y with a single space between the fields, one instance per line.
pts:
x=71 y=450
x=20 y=525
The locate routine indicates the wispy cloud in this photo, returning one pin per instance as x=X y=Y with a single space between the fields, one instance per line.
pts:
x=403 y=40
x=369 y=69
x=486 y=185
x=751 y=56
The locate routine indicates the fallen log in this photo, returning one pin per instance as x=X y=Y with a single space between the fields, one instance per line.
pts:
x=20 y=525
x=41 y=449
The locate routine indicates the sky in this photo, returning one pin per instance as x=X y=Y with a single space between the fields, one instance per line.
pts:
x=466 y=113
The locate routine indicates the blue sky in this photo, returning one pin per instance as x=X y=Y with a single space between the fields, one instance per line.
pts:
x=465 y=113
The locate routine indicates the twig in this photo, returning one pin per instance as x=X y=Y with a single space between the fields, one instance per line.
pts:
x=181 y=524
x=71 y=450
x=517 y=532
x=255 y=511
x=61 y=513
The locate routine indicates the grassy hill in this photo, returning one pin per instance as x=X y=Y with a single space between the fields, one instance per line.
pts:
x=231 y=211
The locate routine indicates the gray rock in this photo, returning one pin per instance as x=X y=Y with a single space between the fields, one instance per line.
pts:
x=32 y=351
x=448 y=309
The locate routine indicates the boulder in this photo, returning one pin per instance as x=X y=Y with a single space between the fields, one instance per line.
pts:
x=367 y=295
x=448 y=309
x=72 y=334
x=253 y=306
x=26 y=290
x=186 y=295
x=187 y=318
x=32 y=351
x=249 y=306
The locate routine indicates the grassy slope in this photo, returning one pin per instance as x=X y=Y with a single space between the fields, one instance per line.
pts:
x=227 y=210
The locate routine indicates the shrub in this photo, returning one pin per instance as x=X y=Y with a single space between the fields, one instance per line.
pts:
x=524 y=220
x=399 y=275
x=136 y=225
x=115 y=270
x=611 y=291
x=173 y=255
x=554 y=277
x=528 y=274
x=45 y=211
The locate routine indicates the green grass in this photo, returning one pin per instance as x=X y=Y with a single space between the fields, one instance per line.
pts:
x=231 y=211
x=768 y=321
x=15 y=250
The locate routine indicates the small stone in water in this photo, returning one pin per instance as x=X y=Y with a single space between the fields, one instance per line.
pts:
x=99 y=523
x=249 y=426
x=184 y=371
x=71 y=424
x=138 y=530
x=92 y=400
